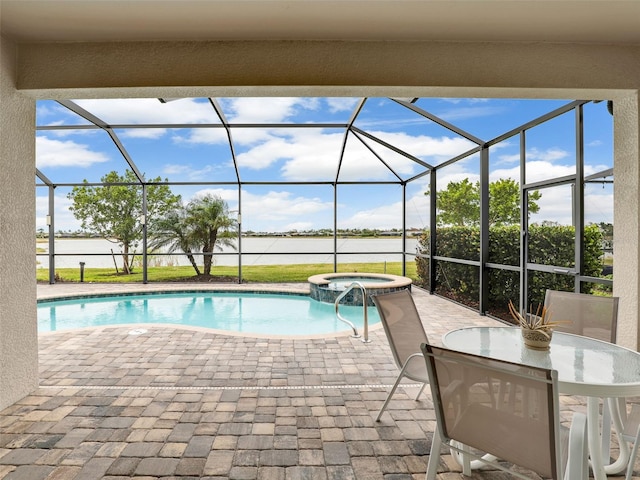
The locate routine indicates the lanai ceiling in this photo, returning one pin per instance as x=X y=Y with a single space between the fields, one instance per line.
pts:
x=573 y=21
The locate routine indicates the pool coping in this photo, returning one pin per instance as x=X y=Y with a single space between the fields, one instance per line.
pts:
x=395 y=281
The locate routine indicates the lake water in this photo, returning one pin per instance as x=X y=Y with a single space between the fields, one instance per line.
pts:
x=97 y=253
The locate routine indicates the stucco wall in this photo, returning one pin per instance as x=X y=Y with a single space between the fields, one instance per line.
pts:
x=18 y=333
x=625 y=219
x=305 y=67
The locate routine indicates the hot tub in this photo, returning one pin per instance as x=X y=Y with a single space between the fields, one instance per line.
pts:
x=327 y=287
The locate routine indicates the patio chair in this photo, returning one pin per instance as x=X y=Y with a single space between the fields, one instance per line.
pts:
x=587 y=315
x=631 y=433
x=590 y=316
x=405 y=333
x=524 y=433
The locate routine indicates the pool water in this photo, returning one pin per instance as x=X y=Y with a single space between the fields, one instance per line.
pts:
x=340 y=283
x=260 y=313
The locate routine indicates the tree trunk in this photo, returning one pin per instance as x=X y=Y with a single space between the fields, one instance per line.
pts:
x=192 y=260
x=125 y=259
x=208 y=258
x=208 y=251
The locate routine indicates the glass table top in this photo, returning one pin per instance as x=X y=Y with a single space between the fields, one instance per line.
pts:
x=585 y=366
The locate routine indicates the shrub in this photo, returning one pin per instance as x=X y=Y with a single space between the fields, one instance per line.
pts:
x=548 y=245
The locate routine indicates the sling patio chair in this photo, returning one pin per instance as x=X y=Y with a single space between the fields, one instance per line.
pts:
x=591 y=316
x=405 y=333
x=522 y=430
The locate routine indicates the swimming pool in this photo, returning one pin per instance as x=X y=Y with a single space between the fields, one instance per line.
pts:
x=249 y=313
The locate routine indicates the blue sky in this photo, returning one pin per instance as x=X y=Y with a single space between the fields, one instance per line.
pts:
x=281 y=154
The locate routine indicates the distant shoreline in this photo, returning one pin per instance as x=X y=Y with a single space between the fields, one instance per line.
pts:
x=363 y=237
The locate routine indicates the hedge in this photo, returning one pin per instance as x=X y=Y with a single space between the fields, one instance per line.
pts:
x=548 y=245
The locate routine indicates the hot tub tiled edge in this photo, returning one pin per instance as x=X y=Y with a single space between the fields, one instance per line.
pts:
x=319 y=290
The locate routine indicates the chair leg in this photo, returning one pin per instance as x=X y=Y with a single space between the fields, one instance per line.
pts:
x=434 y=455
x=395 y=385
x=577 y=467
x=393 y=389
x=421 y=390
x=632 y=457
x=464 y=460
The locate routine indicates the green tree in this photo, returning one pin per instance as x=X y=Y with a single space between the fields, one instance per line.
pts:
x=210 y=226
x=202 y=225
x=114 y=211
x=172 y=231
x=459 y=204
x=504 y=202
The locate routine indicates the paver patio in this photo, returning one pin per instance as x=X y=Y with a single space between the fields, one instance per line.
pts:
x=174 y=402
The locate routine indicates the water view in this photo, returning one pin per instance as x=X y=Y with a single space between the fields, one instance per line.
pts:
x=100 y=253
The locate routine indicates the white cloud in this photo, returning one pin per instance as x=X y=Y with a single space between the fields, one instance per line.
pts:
x=360 y=163
x=149 y=133
x=555 y=206
x=279 y=210
x=56 y=153
x=192 y=174
x=307 y=153
x=598 y=207
x=265 y=154
x=533 y=155
x=424 y=146
x=388 y=216
x=549 y=155
x=205 y=136
x=341 y=104
x=543 y=170
x=457 y=101
x=310 y=154
x=176 y=169
x=80 y=132
x=139 y=111
x=298 y=226
x=384 y=216
x=266 y=109
x=63 y=218
x=465 y=113
x=228 y=195
x=63 y=116
x=44 y=110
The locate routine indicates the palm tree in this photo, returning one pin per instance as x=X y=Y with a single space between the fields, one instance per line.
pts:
x=172 y=231
x=210 y=226
x=203 y=224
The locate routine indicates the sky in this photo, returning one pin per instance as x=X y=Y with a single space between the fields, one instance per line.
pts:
x=163 y=140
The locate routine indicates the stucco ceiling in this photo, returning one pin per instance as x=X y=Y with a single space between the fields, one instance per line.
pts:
x=575 y=21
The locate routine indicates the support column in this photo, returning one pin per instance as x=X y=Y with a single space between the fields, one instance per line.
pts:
x=18 y=325
x=626 y=224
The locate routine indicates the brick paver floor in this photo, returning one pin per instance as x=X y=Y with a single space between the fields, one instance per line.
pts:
x=165 y=402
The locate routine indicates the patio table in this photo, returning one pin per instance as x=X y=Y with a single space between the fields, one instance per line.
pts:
x=586 y=367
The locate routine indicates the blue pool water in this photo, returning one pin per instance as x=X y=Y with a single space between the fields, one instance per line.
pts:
x=340 y=283
x=262 y=313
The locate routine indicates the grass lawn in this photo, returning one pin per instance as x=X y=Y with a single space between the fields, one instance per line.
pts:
x=250 y=274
